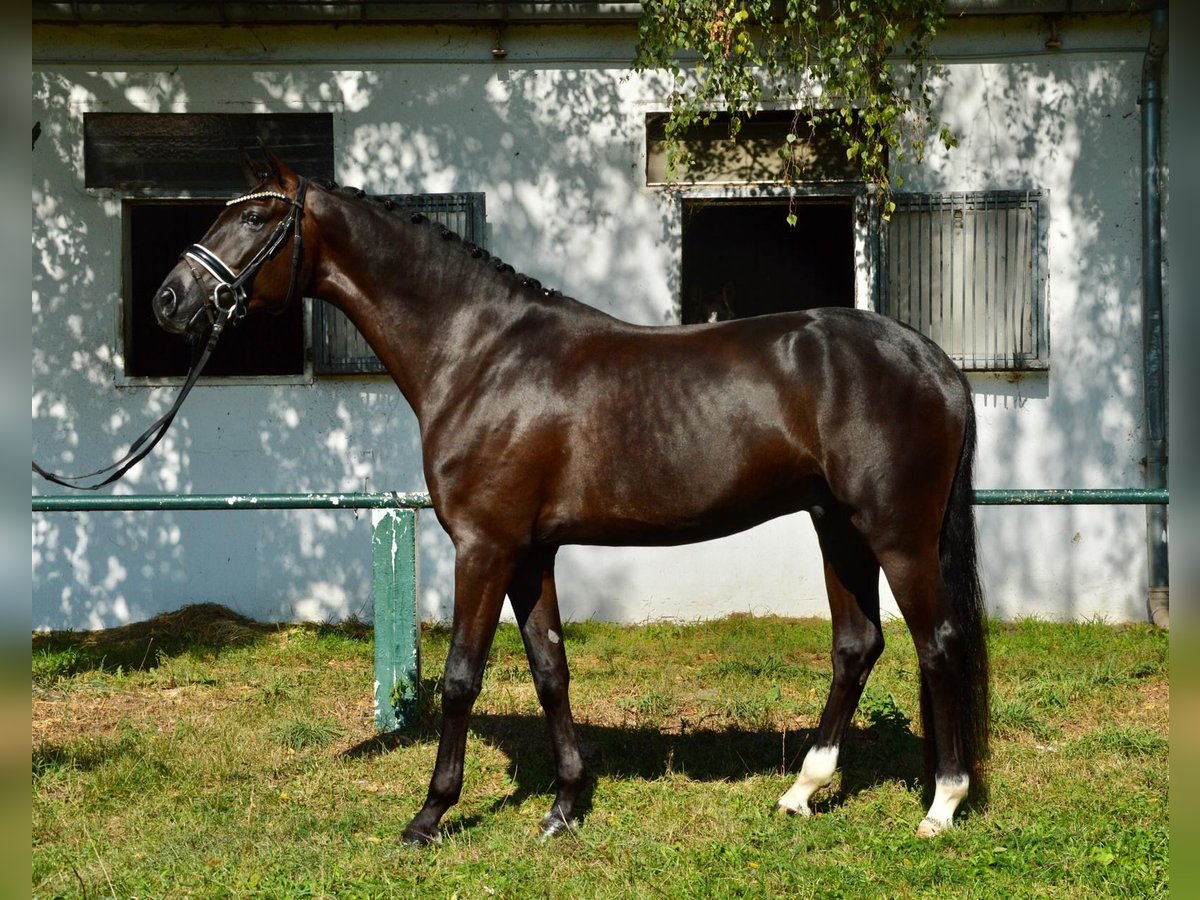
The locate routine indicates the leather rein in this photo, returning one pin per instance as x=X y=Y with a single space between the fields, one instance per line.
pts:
x=226 y=305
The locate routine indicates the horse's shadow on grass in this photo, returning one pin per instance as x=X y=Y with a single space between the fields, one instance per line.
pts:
x=201 y=630
x=884 y=751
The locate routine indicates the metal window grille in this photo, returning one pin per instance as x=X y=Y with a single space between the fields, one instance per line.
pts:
x=968 y=270
x=338 y=348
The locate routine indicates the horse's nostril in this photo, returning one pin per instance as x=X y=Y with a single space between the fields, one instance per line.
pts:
x=167 y=301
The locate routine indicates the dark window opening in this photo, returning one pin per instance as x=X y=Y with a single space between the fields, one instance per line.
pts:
x=189 y=152
x=742 y=258
x=258 y=345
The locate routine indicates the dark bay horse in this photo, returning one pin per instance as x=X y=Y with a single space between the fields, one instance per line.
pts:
x=547 y=422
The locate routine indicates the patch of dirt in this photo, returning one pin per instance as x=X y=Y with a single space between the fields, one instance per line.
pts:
x=1154 y=706
x=59 y=716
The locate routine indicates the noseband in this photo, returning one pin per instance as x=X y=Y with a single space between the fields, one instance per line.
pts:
x=227 y=303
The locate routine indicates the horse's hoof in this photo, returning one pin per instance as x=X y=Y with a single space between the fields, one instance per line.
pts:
x=783 y=809
x=553 y=825
x=931 y=827
x=415 y=837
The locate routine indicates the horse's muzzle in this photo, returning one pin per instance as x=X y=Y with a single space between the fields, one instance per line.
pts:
x=166 y=302
x=171 y=310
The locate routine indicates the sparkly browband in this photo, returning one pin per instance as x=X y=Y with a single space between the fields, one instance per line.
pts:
x=258 y=194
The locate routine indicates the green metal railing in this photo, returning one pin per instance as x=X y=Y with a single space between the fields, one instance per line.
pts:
x=123 y=503
x=1070 y=496
x=419 y=500
x=394 y=558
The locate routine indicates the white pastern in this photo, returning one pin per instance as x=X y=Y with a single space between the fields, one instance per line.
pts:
x=946 y=797
x=820 y=764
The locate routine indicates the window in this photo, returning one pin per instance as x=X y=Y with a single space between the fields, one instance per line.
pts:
x=338 y=348
x=156 y=232
x=969 y=271
x=742 y=258
x=153 y=158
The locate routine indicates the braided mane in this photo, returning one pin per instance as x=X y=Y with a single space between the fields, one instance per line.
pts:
x=419 y=218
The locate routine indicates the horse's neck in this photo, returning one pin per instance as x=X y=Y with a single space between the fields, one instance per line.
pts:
x=422 y=303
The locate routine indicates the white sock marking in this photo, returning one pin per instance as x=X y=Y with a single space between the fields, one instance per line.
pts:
x=820 y=764
x=949 y=792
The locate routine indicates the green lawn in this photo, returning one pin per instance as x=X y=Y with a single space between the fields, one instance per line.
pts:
x=201 y=754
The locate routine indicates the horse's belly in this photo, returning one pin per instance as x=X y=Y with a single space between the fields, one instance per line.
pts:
x=689 y=498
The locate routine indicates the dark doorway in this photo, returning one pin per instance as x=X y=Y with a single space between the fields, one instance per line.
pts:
x=741 y=257
x=259 y=345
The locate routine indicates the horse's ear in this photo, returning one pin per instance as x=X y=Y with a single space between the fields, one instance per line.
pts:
x=268 y=168
x=256 y=171
x=280 y=170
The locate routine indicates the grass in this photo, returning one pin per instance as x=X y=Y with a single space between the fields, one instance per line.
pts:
x=202 y=754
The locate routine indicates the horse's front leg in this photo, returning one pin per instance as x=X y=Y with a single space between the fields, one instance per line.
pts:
x=481 y=575
x=535 y=602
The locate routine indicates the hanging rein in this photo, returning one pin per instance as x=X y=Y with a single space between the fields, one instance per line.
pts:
x=226 y=306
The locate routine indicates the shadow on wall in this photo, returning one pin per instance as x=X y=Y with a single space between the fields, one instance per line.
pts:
x=1071 y=127
x=96 y=568
x=562 y=188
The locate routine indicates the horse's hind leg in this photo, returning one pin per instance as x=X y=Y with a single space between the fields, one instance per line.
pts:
x=480 y=578
x=535 y=603
x=852 y=581
x=942 y=650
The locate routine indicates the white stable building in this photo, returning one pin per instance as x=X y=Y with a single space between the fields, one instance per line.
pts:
x=525 y=127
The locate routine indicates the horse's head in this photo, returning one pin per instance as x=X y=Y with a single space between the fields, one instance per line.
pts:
x=250 y=259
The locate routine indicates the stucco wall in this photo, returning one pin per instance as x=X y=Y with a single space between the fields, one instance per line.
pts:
x=554 y=135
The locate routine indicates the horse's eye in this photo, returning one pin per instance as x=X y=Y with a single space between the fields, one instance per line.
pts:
x=252 y=218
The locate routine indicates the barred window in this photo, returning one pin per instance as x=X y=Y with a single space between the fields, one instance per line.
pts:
x=173 y=172
x=338 y=348
x=969 y=271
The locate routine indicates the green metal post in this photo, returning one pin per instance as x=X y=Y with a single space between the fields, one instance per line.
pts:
x=397 y=629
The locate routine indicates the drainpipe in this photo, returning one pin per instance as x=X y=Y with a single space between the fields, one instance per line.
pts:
x=1154 y=380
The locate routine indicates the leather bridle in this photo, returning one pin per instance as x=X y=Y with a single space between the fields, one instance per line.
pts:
x=226 y=305
x=228 y=300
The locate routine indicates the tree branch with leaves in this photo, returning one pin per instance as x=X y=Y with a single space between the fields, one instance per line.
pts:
x=831 y=61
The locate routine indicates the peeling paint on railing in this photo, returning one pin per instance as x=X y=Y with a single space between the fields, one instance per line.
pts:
x=1069 y=496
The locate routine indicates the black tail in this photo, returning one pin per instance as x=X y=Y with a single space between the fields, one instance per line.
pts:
x=960 y=572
